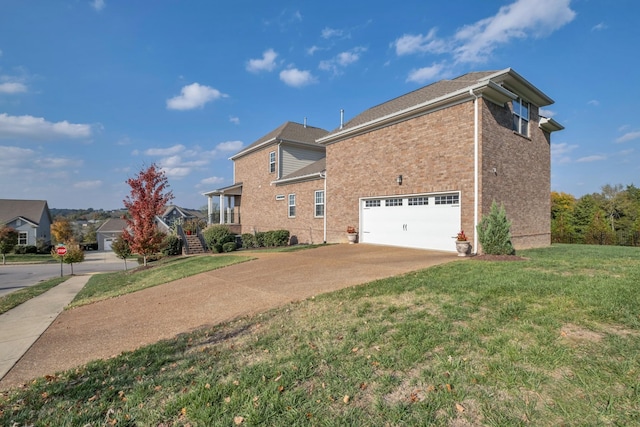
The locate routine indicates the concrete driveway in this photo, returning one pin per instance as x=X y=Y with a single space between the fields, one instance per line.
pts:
x=125 y=323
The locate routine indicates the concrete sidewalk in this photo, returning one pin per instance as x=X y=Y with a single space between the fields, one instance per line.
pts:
x=21 y=326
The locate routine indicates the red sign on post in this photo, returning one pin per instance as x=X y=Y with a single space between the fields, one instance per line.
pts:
x=61 y=250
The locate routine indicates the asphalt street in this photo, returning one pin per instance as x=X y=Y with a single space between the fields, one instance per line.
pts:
x=18 y=276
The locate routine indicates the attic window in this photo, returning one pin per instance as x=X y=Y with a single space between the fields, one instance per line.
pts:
x=521 y=116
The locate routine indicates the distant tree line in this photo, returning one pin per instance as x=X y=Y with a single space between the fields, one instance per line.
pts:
x=611 y=217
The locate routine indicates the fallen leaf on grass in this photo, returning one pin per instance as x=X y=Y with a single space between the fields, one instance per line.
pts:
x=346 y=398
x=238 y=420
x=460 y=408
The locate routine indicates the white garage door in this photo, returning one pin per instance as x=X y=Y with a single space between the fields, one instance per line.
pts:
x=107 y=244
x=429 y=221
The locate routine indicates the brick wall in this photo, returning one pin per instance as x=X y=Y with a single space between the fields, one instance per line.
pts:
x=433 y=153
x=260 y=211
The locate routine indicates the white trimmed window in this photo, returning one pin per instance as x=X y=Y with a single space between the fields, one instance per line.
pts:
x=319 y=204
x=372 y=203
x=418 y=201
x=22 y=238
x=292 y=205
x=521 y=116
x=393 y=202
x=447 y=199
x=272 y=162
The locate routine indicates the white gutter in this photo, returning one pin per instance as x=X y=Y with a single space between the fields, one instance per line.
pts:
x=475 y=171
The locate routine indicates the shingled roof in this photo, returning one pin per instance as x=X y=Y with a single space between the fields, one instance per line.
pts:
x=288 y=131
x=497 y=86
x=30 y=210
x=418 y=96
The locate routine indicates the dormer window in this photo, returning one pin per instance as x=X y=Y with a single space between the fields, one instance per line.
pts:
x=521 y=116
x=272 y=162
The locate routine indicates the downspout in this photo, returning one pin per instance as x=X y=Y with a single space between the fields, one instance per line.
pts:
x=324 y=218
x=475 y=171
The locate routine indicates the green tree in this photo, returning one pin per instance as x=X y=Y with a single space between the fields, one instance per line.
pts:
x=74 y=255
x=598 y=232
x=494 y=232
x=147 y=199
x=122 y=249
x=562 y=219
x=8 y=240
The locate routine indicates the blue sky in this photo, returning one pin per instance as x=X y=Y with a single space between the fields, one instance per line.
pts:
x=92 y=91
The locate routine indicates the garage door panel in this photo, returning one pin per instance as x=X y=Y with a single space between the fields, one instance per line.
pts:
x=427 y=226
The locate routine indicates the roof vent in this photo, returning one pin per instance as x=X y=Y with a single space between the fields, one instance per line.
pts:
x=341 y=118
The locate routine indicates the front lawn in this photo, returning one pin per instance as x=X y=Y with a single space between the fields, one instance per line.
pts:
x=551 y=340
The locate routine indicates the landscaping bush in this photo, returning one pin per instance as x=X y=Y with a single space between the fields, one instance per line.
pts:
x=172 y=245
x=249 y=241
x=259 y=239
x=217 y=248
x=25 y=249
x=276 y=238
x=217 y=235
x=229 y=247
x=493 y=232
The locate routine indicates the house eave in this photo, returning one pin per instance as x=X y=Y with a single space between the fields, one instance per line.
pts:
x=235 y=189
x=548 y=124
x=486 y=89
x=252 y=149
x=309 y=177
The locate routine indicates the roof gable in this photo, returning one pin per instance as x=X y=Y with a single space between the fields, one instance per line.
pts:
x=287 y=132
x=30 y=210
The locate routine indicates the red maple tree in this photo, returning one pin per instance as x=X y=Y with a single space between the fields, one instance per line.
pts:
x=148 y=198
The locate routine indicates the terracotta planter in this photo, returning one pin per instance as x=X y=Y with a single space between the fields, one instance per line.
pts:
x=463 y=247
x=352 y=237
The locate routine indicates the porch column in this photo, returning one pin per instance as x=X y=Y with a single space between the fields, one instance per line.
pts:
x=221 y=208
x=209 y=208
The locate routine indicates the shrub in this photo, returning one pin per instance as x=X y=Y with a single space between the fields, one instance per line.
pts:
x=493 y=232
x=229 y=247
x=259 y=239
x=249 y=241
x=276 y=238
x=217 y=248
x=172 y=245
x=217 y=235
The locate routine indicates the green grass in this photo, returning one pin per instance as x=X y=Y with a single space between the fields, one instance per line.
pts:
x=109 y=285
x=553 y=340
x=16 y=298
x=29 y=258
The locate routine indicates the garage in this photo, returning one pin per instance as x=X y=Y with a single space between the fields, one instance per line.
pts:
x=425 y=221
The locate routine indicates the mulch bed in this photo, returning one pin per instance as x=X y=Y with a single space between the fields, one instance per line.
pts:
x=498 y=258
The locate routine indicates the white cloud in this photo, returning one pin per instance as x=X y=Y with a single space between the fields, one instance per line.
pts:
x=560 y=152
x=589 y=159
x=546 y=113
x=521 y=19
x=342 y=60
x=313 y=49
x=98 y=4
x=12 y=87
x=297 y=78
x=178 y=148
x=37 y=128
x=194 y=96
x=599 y=27
x=213 y=180
x=266 y=63
x=88 y=185
x=14 y=156
x=328 y=33
x=410 y=44
x=593 y=102
x=179 y=172
x=57 y=162
x=229 y=146
x=423 y=75
x=629 y=136
x=234 y=120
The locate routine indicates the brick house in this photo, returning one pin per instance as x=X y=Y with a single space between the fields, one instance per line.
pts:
x=413 y=171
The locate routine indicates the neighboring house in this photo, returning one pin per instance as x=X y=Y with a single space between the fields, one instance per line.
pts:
x=177 y=215
x=410 y=172
x=109 y=231
x=30 y=218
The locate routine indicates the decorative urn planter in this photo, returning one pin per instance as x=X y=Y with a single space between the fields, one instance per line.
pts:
x=352 y=235
x=463 y=246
